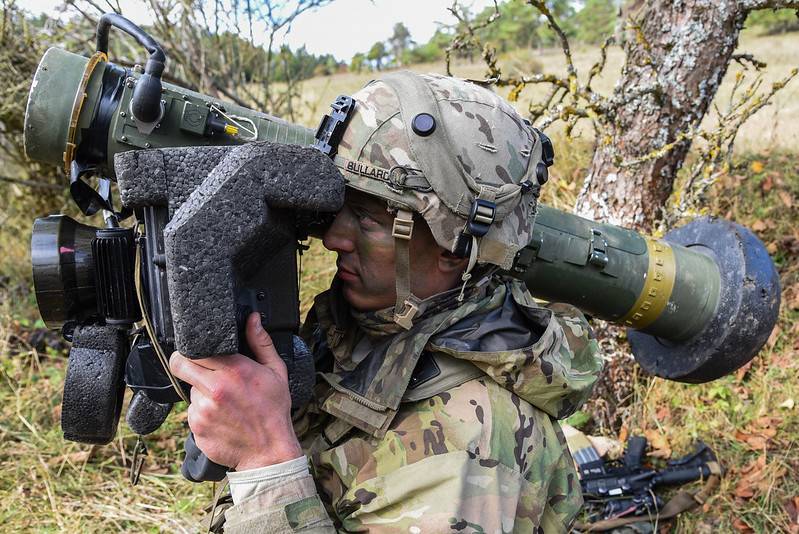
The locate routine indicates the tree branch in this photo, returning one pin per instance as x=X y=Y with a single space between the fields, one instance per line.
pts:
x=742 y=59
x=32 y=183
x=751 y=5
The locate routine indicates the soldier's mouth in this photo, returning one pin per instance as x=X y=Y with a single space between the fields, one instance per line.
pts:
x=346 y=275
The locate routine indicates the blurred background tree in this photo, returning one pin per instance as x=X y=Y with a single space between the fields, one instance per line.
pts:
x=377 y=54
x=400 y=41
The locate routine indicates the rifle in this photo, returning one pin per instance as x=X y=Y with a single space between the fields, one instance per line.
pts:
x=626 y=488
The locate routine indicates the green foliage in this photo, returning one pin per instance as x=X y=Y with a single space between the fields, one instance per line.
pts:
x=377 y=54
x=400 y=41
x=358 y=62
x=579 y=419
x=295 y=65
x=774 y=21
x=517 y=26
x=595 y=21
x=432 y=50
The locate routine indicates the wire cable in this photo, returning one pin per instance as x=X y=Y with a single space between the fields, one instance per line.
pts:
x=159 y=351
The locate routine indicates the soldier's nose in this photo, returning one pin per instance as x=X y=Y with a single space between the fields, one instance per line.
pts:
x=339 y=236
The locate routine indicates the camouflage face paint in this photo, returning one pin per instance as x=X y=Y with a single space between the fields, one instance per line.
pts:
x=361 y=235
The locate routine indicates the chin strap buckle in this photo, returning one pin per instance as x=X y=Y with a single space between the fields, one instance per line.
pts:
x=403 y=225
x=405 y=317
x=481 y=217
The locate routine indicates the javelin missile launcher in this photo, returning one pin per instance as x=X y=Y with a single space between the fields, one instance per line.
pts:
x=698 y=303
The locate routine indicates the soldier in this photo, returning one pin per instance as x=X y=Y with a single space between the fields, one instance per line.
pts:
x=440 y=379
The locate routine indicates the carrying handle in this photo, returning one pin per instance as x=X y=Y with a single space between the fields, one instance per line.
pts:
x=146 y=101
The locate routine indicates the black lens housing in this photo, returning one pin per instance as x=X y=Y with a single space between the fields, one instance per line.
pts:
x=83 y=274
x=63 y=270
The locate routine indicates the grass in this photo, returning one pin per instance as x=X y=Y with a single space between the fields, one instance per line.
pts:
x=775 y=128
x=751 y=418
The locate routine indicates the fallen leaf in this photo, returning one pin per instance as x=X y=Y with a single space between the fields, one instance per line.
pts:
x=77 y=457
x=755 y=441
x=56 y=413
x=658 y=443
x=786 y=198
x=752 y=474
x=740 y=526
x=759 y=435
x=741 y=372
x=758 y=226
x=623 y=433
x=767 y=184
x=664 y=412
x=768 y=421
x=773 y=337
x=772 y=247
x=757 y=478
x=792 y=509
x=788 y=404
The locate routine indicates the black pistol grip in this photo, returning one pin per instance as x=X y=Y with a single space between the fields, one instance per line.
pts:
x=636 y=447
x=197 y=467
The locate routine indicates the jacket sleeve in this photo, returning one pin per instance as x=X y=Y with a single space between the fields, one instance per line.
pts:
x=276 y=499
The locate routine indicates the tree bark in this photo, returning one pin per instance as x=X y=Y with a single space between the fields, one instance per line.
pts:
x=675 y=62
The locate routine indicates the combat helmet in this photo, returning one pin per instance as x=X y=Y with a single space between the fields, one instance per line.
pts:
x=450 y=150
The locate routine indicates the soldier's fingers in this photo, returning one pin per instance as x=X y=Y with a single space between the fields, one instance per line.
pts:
x=188 y=371
x=262 y=346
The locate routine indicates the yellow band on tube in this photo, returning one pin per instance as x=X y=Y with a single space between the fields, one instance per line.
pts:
x=658 y=286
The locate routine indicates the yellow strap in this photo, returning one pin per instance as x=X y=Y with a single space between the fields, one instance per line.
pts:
x=658 y=285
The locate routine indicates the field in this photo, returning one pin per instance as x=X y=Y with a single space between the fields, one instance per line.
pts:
x=750 y=418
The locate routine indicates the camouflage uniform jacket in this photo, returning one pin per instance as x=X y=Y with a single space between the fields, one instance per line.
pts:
x=449 y=427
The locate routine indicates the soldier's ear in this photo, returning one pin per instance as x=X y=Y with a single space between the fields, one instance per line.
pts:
x=449 y=262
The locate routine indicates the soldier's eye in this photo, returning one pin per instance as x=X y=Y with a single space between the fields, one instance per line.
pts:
x=364 y=216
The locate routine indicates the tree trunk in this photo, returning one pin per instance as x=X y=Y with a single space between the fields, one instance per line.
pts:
x=675 y=63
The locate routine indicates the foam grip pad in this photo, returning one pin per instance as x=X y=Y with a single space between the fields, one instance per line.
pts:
x=302 y=375
x=94 y=385
x=227 y=228
x=145 y=415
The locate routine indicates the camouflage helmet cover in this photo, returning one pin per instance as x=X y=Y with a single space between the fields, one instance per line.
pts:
x=477 y=148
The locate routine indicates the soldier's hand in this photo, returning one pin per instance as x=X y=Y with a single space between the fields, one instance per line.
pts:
x=240 y=409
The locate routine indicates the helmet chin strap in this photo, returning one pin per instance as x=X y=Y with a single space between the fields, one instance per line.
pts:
x=467 y=274
x=407 y=304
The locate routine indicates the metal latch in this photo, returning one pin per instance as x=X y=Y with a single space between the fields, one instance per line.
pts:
x=598 y=251
x=332 y=126
x=526 y=256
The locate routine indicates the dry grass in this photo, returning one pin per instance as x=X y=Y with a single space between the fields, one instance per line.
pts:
x=774 y=128
x=50 y=485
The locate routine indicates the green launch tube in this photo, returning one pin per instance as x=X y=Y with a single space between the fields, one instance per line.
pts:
x=80 y=109
x=700 y=302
